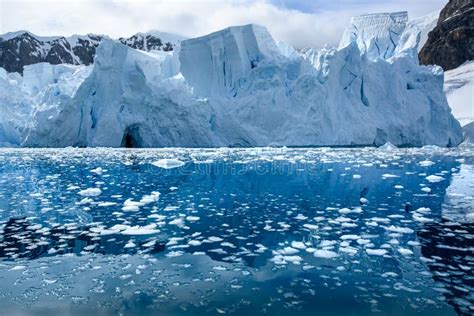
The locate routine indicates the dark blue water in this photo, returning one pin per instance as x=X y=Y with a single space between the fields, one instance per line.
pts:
x=277 y=231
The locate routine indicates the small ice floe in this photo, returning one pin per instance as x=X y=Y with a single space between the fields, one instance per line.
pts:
x=168 y=163
x=346 y=210
x=18 y=268
x=158 y=217
x=213 y=239
x=298 y=245
x=398 y=187
x=288 y=251
x=192 y=218
x=50 y=281
x=434 y=178
x=376 y=252
x=426 y=163
x=106 y=204
x=356 y=176
x=420 y=218
x=397 y=229
x=388 y=175
x=405 y=252
x=173 y=254
x=228 y=244
x=350 y=237
x=426 y=189
x=153 y=197
x=98 y=171
x=283 y=260
x=131 y=206
x=90 y=192
x=178 y=222
x=301 y=217
x=325 y=254
x=194 y=243
x=130 y=244
x=310 y=226
x=141 y=230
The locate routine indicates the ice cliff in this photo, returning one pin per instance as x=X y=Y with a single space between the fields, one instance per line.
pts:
x=236 y=87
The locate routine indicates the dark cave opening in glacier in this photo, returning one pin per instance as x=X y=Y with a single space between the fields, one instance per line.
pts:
x=131 y=137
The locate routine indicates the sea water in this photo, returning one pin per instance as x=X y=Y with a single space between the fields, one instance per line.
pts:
x=278 y=231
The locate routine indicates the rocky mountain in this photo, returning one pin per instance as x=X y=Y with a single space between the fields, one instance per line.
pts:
x=451 y=42
x=18 y=49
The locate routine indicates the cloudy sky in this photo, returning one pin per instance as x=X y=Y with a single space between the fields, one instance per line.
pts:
x=301 y=23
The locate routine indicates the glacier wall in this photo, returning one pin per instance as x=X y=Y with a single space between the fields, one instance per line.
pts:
x=237 y=87
x=376 y=34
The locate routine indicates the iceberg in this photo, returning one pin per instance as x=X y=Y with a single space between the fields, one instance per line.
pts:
x=236 y=87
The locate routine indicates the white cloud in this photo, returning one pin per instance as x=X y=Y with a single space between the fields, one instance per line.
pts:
x=324 y=23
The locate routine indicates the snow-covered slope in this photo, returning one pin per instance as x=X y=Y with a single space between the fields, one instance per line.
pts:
x=237 y=87
x=459 y=89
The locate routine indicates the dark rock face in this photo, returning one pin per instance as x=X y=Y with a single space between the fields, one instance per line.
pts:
x=146 y=42
x=26 y=49
x=451 y=43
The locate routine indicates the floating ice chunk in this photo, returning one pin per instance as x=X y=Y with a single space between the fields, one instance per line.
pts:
x=363 y=200
x=153 y=197
x=362 y=241
x=105 y=204
x=298 y=245
x=173 y=254
x=310 y=226
x=168 y=163
x=426 y=189
x=326 y=254
x=141 y=230
x=17 y=268
x=397 y=229
x=178 y=222
x=131 y=206
x=423 y=210
x=282 y=260
x=376 y=252
x=288 y=251
x=301 y=217
x=98 y=171
x=228 y=244
x=398 y=187
x=157 y=217
x=130 y=244
x=356 y=176
x=350 y=237
x=420 y=218
x=434 y=178
x=192 y=218
x=90 y=192
x=426 y=163
x=405 y=252
x=346 y=210
x=214 y=239
x=388 y=175
x=194 y=243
